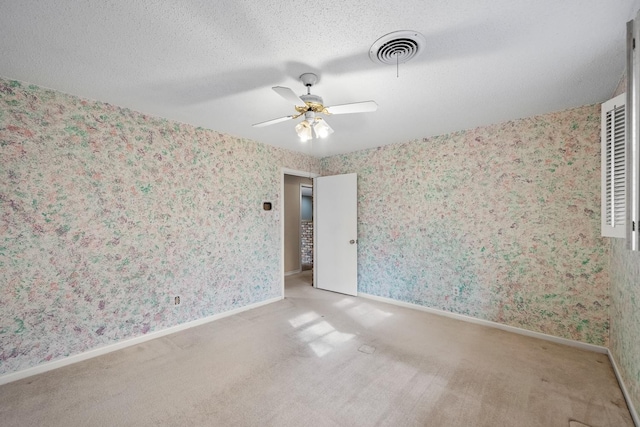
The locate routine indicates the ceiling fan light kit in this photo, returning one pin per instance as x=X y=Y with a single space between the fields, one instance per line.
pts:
x=312 y=127
x=303 y=129
x=309 y=105
x=322 y=129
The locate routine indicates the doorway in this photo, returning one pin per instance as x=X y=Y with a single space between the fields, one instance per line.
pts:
x=296 y=255
x=338 y=201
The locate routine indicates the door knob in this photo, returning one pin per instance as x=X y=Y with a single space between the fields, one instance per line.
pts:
x=352 y=241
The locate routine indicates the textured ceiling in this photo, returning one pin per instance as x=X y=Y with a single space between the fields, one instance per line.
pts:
x=213 y=63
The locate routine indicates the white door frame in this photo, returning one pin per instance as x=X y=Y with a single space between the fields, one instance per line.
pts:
x=293 y=172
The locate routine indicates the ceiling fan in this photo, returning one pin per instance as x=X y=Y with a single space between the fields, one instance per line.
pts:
x=310 y=105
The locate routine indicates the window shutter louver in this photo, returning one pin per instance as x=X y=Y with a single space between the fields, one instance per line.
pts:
x=613 y=167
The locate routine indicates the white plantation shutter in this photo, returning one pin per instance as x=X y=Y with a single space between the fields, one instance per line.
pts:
x=613 y=167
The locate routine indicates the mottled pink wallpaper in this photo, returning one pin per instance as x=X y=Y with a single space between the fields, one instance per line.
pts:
x=106 y=213
x=625 y=315
x=500 y=223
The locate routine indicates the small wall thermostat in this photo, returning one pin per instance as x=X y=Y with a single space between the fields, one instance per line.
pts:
x=266 y=206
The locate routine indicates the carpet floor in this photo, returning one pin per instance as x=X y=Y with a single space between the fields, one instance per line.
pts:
x=318 y=358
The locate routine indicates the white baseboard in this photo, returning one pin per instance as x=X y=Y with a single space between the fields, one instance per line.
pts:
x=627 y=397
x=48 y=366
x=491 y=324
x=15 y=376
x=292 y=272
x=520 y=331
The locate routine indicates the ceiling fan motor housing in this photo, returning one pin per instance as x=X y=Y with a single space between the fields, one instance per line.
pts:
x=314 y=103
x=310 y=98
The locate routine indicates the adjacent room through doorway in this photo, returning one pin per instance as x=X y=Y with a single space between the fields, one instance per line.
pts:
x=306 y=226
x=298 y=224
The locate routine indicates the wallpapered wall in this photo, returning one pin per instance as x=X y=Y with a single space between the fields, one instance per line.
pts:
x=625 y=307
x=625 y=315
x=106 y=213
x=499 y=223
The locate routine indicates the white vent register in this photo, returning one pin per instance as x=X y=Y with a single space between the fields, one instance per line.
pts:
x=397 y=47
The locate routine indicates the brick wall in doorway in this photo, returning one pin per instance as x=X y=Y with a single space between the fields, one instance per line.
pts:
x=306 y=242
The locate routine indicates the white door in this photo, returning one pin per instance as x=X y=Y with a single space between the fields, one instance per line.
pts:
x=336 y=233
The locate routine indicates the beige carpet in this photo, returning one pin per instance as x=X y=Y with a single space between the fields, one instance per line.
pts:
x=324 y=359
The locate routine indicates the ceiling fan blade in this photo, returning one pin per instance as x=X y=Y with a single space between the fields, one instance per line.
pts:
x=289 y=95
x=272 y=122
x=355 y=107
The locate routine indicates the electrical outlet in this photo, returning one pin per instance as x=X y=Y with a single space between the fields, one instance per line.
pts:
x=176 y=300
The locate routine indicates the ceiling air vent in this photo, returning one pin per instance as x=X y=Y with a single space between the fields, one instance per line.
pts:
x=397 y=47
